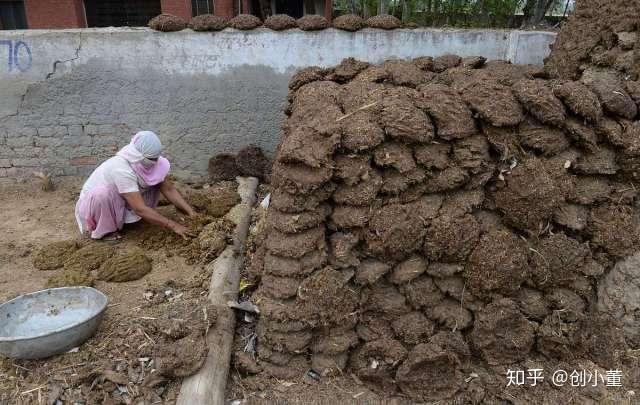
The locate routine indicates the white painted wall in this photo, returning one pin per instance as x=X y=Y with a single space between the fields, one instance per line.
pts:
x=211 y=91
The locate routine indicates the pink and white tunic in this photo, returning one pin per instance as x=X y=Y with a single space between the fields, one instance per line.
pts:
x=101 y=209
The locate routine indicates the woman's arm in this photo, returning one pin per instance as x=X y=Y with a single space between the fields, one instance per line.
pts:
x=171 y=193
x=136 y=202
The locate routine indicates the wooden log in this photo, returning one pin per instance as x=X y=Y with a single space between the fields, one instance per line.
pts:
x=207 y=387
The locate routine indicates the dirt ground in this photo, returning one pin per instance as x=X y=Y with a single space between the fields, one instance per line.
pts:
x=31 y=218
x=263 y=389
x=137 y=311
x=95 y=373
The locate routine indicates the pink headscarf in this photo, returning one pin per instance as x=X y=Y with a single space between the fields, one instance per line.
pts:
x=144 y=147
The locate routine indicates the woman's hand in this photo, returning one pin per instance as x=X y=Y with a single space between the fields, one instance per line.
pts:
x=171 y=193
x=183 y=231
x=136 y=202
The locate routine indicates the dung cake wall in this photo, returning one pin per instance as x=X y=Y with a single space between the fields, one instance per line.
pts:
x=439 y=218
x=598 y=34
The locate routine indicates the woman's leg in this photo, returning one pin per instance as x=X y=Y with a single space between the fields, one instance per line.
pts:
x=150 y=197
x=102 y=211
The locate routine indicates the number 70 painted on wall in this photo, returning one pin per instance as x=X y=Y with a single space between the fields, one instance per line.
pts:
x=19 y=55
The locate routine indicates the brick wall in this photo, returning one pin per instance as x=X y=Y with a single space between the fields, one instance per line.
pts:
x=223 y=8
x=55 y=13
x=328 y=10
x=181 y=8
x=245 y=7
x=71 y=13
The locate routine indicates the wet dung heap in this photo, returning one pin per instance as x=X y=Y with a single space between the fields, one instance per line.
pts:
x=216 y=200
x=125 y=266
x=213 y=236
x=80 y=265
x=437 y=219
x=53 y=255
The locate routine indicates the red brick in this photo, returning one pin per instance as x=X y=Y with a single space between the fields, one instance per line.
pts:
x=246 y=7
x=84 y=161
x=51 y=14
x=180 y=8
x=328 y=10
x=224 y=8
x=55 y=14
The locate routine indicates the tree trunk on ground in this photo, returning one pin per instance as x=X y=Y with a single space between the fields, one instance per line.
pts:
x=208 y=385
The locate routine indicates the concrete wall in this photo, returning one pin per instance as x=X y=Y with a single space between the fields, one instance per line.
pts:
x=70 y=98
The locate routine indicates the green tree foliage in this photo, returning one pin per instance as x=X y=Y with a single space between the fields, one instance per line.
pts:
x=458 y=13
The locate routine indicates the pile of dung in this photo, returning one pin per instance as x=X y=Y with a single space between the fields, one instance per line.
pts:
x=383 y=21
x=53 y=255
x=125 y=266
x=598 y=34
x=349 y=22
x=71 y=278
x=245 y=22
x=79 y=266
x=250 y=161
x=216 y=200
x=97 y=260
x=181 y=348
x=447 y=61
x=214 y=238
x=312 y=22
x=223 y=167
x=167 y=23
x=435 y=222
x=304 y=76
x=280 y=22
x=90 y=256
x=208 y=22
x=204 y=247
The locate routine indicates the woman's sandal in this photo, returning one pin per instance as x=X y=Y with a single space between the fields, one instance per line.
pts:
x=113 y=238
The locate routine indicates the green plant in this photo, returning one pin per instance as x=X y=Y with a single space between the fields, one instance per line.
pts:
x=459 y=13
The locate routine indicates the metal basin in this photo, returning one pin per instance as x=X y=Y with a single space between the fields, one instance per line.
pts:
x=49 y=322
